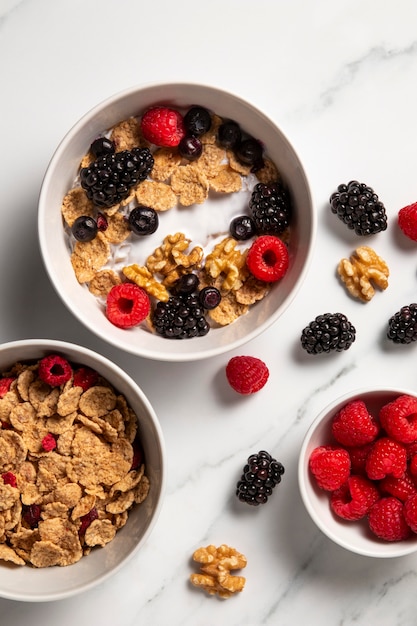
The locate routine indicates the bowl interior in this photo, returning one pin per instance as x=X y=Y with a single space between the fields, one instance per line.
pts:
x=61 y=173
x=34 y=585
x=353 y=536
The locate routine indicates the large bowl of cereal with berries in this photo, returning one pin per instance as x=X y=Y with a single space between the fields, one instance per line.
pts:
x=81 y=469
x=176 y=221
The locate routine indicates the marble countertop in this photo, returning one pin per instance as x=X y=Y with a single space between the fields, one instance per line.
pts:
x=340 y=79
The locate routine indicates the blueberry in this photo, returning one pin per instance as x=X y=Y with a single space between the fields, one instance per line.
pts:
x=242 y=227
x=186 y=284
x=197 y=121
x=190 y=147
x=102 y=146
x=209 y=297
x=84 y=228
x=143 y=220
x=229 y=134
x=249 y=151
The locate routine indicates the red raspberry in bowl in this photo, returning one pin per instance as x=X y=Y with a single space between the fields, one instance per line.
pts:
x=85 y=377
x=358 y=455
x=163 y=126
x=410 y=512
x=127 y=305
x=407 y=221
x=353 y=425
x=268 y=258
x=387 y=520
x=330 y=466
x=399 y=419
x=54 y=370
x=354 y=498
x=401 y=488
x=246 y=374
x=5 y=385
x=386 y=457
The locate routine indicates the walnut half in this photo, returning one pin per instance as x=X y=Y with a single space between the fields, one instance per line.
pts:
x=362 y=269
x=215 y=572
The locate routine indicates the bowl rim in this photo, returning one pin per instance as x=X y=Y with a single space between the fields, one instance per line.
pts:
x=152 y=353
x=397 y=549
x=47 y=346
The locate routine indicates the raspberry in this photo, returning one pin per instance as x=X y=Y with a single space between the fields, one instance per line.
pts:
x=354 y=498
x=54 y=370
x=268 y=258
x=85 y=377
x=410 y=512
x=387 y=520
x=127 y=305
x=87 y=519
x=5 y=385
x=401 y=488
x=246 y=374
x=9 y=479
x=407 y=221
x=330 y=466
x=413 y=466
x=386 y=457
x=358 y=455
x=399 y=419
x=48 y=442
x=163 y=126
x=353 y=425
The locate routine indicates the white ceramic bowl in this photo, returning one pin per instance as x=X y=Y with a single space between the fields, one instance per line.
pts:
x=352 y=536
x=29 y=584
x=60 y=176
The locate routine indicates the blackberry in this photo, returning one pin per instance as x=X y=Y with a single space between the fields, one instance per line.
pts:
x=327 y=333
x=109 y=178
x=271 y=208
x=182 y=317
x=260 y=475
x=402 y=327
x=358 y=206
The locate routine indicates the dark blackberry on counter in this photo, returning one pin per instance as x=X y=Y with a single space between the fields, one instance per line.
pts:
x=271 y=208
x=182 y=317
x=358 y=206
x=260 y=475
x=328 y=333
x=402 y=326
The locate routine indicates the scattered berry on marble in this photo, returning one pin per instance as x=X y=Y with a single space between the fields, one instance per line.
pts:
x=353 y=500
x=402 y=326
x=386 y=457
x=270 y=208
x=5 y=383
x=84 y=228
x=9 y=479
x=127 y=305
x=48 y=442
x=102 y=146
x=143 y=220
x=399 y=419
x=229 y=134
x=209 y=297
x=54 y=370
x=261 y=474
x=330 y=466
x=387 y=520
x=359 y=207
x=407 y=221
x=85 y=377
x=246 y=374
x=353 y=425
x=268 y=258
x=182 y=317
x=197 y=121
x=328 y=333
x=163 y=126
x=242 y=227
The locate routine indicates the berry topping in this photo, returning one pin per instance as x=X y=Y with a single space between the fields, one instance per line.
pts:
x=102 y=146
x=330 y=466
x=387 y=520
x=48 y=442
x=186 y=284
x=138 y=456
x=102 y=223
x=197 y=121
x=229 y=134
x=402 y=326
x=143 y=220
x=109 y=179
x=358 y=456
x=127 y=305
x=401 y=488
x=85 y=377
x=271 y=208
x=353 y=425
x=354 y=498
x=407 y=221
x=9 y=479
x=410 y=512
x=209 y=297
x=163 y=126
x=54 y=370
x=190 y=147
x=87 y=519
x=182 y=317
x=246 y=374
x=327 y=333
x=268 y=258
x=260 y=476
x=386 y=457
x=242 y=227
x=249 y=151
x=32 y=515
x=84 y=228
x=358 y=206
x=5 y=385
x=399 y=419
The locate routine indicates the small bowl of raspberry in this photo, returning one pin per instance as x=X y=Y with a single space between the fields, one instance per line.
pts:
x=176 y=221
x=82 y=471
x=357 y=472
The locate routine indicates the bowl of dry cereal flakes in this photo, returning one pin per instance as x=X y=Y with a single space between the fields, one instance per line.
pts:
x=81 y=469
x=176 y=221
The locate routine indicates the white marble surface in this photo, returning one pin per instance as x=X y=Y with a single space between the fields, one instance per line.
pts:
x=340 y=78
